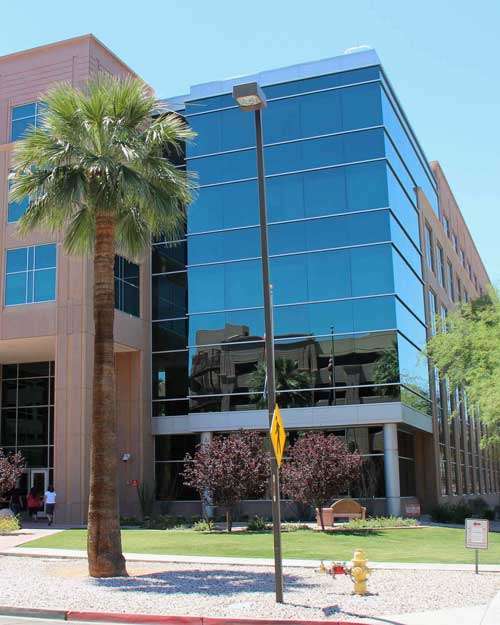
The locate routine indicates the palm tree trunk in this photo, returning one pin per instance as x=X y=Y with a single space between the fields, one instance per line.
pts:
x=104 y=541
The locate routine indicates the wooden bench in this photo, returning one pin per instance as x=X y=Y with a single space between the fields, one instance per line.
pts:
x=341 y=509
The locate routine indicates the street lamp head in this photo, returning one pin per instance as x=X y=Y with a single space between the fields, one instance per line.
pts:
x=249 y=96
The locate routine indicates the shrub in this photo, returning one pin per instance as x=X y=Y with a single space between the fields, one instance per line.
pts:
x=458 y=512
x=294 y=527
x=9 y=523
x=257 y=524
x=128 y=521
x=163 y=522
x=318 y=469
x=11 y=469
x=203 y=525
x=379 y=523
x=229 y=469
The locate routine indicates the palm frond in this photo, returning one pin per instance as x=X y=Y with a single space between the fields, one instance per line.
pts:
x=101 y=150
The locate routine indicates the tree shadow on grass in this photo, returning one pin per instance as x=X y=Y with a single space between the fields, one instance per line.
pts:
x=218 y=582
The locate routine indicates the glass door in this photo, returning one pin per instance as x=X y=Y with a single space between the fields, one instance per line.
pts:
x=39 y=479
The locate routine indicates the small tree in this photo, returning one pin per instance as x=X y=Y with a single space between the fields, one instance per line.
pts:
x=229 y=469
x=11 y=468
x=319 y=468
x=466 y=349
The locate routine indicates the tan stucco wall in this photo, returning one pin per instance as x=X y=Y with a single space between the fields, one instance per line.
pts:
x=63 y=330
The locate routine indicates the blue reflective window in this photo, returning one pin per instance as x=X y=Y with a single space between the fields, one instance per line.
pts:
x=209 y=104
x=322 y=113
x=222 y=246
x=127 y=286
x=361 y=106
x=413 y=367
x=16 y=289
x=371 y=269
x=171 y=334
x=402 y=207
x=418 y=168
x=17 y=260
x=399 y=167
x=220 y=131
x=410 y=325
x=408 y=286
x=376 y=313
x=16 y=210
x=282 y=119
x=289 y=88
x=361 y=315
x=366 y=186
x=405 y=246
x=329 y=232
x=44 y=285
x=333 y=274
x=329 y=275
x=236 y=326
x=289 y=279
x=309 y=154
x=322 y=82
x=224 y=206
x=170 y=375
x=327 y=192
x=224 y=167
x=30 y=275
x=169 y=295
x=24 y=117
x=167 y=257
x=228 y=285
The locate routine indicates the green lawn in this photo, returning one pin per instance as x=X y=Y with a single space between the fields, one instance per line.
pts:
x=419 y=545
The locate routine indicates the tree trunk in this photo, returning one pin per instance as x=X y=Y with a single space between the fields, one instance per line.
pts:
x=229 y=519
x=104 y=540
x=321 y=521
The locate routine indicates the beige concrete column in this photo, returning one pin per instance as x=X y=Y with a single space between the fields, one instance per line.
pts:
x=391 y=469
x=73 y=390
x=206 y=504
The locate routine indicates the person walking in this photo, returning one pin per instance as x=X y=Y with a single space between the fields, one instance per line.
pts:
x=33 y=503
x=50 y=503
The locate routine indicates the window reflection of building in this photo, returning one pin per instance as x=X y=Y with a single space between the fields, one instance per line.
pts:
x=223 y=366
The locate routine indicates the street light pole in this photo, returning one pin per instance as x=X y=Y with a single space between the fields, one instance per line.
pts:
x=251 y=98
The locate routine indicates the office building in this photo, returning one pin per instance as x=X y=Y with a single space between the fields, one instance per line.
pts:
x=366 y=241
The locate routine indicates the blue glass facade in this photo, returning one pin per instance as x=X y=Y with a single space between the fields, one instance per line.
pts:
x=341 y=170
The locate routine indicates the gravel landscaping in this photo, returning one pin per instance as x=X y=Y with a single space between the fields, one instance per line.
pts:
x=234 y=590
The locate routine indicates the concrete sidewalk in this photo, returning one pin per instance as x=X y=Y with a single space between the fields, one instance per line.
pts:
x=267 y=562
x=8 y=541
x=477 y=615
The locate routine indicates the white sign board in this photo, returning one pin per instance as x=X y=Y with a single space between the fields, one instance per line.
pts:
x=476 y=533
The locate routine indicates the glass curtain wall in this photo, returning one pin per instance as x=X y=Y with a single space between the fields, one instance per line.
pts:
x=170 y=452
x=27 y=412
x=341 y=169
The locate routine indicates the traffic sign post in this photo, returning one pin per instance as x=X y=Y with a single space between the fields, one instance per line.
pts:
x=278 y=435
x=476 y=536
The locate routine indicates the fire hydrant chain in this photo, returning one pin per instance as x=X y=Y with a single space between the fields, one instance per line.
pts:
x=358 y=571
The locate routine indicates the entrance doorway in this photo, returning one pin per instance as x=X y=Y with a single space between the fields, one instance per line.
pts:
x=39 y=479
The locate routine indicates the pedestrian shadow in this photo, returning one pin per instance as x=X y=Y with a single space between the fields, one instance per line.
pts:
x=218 y=582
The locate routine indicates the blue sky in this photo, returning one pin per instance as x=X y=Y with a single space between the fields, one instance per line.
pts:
x=442 y=57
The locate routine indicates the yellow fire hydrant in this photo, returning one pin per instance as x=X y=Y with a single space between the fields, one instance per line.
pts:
x=359 y=572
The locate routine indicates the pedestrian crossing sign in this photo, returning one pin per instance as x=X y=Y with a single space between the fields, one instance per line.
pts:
x=278 y=435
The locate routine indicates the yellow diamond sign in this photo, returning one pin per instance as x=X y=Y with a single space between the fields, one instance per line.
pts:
x=278 y=435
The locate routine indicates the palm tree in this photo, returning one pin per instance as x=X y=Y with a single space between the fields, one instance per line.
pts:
x=289 y=379
x=97 y=170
